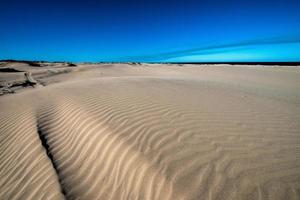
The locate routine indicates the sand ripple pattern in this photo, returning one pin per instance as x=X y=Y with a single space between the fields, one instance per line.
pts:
x=149 y=138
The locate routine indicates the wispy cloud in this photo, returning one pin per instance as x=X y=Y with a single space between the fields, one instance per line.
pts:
x=217 y=48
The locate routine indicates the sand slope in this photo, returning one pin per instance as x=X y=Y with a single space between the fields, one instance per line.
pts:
x=154 y=132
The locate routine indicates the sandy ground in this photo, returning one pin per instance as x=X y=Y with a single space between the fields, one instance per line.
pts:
x=120 y=131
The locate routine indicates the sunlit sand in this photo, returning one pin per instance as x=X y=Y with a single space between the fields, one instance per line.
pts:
x=149 y=131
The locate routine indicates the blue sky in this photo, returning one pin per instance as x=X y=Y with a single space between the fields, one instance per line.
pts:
x=151 y=31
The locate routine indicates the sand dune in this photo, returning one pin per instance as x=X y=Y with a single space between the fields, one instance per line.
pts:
x=153 y=132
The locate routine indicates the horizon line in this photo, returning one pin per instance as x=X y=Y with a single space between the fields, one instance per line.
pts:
x=133 y=62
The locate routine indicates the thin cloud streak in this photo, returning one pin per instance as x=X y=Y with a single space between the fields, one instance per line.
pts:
x=219 y=48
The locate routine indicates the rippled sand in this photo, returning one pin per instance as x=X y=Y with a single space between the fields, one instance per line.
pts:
x=152 y=132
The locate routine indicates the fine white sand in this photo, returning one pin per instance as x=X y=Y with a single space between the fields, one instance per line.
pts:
x=120 y=131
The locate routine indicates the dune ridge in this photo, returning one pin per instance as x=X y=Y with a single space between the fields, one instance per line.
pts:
x=182 y=134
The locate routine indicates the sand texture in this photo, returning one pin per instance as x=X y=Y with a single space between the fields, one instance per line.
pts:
x=121 y=131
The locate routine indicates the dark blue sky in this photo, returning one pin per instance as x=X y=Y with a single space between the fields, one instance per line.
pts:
x=132 y=30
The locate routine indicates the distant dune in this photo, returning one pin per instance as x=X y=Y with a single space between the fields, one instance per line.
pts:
x=149 y=131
